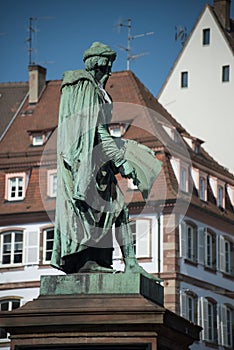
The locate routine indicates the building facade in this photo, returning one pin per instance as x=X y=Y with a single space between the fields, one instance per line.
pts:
x=183 y=233
x=198 y=91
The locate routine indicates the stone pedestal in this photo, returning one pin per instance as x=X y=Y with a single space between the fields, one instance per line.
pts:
x=98 y=311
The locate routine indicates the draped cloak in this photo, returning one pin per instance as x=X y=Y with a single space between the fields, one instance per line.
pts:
x=88 y=200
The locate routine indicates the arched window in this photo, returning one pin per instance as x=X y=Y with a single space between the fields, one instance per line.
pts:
x=208 y=319
x=210 y=249
x=188 y=305
x=189 y=241
x=8 y=304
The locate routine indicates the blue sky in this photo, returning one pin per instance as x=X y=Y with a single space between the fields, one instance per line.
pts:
x=65 y=28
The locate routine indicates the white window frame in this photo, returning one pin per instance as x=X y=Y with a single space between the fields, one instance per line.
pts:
x=45 y=241
x=12 y=248
x=142 y=237
x=38 y=140
x=202 y=191
x=8 y=188
x=220 y=195
x=51 y=175
x=183 y=184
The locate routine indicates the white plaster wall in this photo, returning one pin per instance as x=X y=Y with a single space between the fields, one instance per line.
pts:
x=206 y=107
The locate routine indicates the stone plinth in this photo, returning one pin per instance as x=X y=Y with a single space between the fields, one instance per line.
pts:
x=98 y=312
x=102 y=283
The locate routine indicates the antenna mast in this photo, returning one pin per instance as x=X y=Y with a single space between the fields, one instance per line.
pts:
x=130 y=38
x=31 y=31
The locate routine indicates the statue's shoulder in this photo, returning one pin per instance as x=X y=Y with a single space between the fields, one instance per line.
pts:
x=73 y=76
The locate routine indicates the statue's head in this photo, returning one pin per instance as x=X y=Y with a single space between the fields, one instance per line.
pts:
x=98 y=60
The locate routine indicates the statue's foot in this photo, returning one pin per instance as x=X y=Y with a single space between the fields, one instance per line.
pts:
x=135 y=267
x=93 y=267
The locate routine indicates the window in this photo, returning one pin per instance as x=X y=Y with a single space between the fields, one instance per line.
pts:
x=202 y=188
x=141 y=231
x=220 y=197
x=210 y=324
x=52 y=183
x=11 y=248
x=225 y=255
x=48 y=239
x=15 y=186
x=188 y=306
x=183 y=178
x=188 y=241
x=210 y=250
x=184 y=79
x=226 y=73
x=208 y=319
x=8 y=305
x=37 y=140
x=206 y=36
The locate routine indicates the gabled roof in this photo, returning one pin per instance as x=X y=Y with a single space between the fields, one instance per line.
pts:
x=11 y=97
x=228 y=36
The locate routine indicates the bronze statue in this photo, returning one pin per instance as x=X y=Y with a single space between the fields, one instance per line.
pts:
x=89 y=201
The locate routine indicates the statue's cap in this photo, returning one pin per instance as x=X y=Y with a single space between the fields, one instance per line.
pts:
x=99 y=49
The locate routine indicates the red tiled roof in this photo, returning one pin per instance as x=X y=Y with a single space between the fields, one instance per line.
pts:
x=11 y=96
x=126 y=89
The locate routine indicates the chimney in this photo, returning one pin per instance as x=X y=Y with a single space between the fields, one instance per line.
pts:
x=37 y=81
x=222 y=9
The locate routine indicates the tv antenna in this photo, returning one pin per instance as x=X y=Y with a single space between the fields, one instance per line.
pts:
x=32 y=30
x=128 y=23
x=181 y=34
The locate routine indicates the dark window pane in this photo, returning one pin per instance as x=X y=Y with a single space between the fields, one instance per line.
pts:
x=48 y=256
x=50 y=234
x=225 y=73
x=184 y=79
x=15 y=304
x=206 y=36
x=5 y=306
x=6 y=259
x=17 y=258
x=49 y=245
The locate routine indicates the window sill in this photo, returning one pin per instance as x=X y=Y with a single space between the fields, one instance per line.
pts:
x=5 y=268
x=190 y=262
x=210 y=269
x=211 y=344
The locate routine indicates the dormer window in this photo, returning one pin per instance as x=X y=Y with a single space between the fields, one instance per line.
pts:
x=118 y=129
x=15 y=186
x=39 y=137
x=37 y=140
x=220 y=196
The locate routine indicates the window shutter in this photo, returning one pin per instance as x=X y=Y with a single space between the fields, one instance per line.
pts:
x=223 y=325
x=31 y=251
x=201 y=239
x=221 y=253
x=142 y=238
x=204 y=318
x=183 y=241
x=183 y=305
